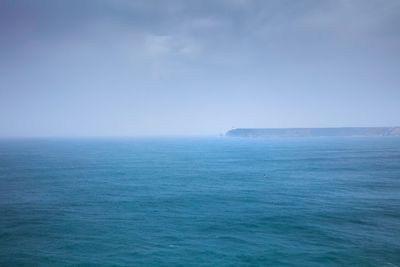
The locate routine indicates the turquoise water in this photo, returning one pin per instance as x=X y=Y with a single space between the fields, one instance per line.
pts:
x=200 y=202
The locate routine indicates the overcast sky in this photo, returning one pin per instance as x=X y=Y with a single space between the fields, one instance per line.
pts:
x=128 y=68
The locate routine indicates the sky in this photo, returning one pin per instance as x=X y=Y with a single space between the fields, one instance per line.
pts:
x=189 y=67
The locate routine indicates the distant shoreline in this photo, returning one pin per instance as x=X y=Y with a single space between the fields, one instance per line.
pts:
x=314 y=132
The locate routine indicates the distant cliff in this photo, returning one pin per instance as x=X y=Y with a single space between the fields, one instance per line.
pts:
x=314 y=132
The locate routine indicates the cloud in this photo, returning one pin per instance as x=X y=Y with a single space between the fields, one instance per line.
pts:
x=169 y=45
x=236 y=58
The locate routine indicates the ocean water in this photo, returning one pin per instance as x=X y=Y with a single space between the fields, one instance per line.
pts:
x=200 y=202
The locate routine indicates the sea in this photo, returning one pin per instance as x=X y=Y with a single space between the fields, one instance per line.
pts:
x=200 y=201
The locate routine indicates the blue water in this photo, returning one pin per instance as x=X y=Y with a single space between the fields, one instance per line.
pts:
x=200 y=202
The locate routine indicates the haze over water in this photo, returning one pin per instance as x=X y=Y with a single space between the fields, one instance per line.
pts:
x=200 y=202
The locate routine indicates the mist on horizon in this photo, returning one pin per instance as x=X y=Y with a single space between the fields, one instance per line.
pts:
x=134 y=68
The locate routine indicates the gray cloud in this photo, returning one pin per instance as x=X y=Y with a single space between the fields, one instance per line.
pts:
x=196 y=66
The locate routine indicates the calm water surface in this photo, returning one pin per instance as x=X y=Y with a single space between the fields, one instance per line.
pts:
x=200 y=202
